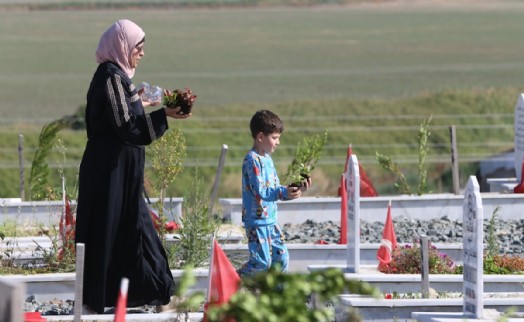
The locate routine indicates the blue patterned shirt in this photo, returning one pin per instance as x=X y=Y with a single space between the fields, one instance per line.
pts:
x=260 y=190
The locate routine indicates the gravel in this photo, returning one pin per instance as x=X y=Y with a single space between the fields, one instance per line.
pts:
x=509 y=233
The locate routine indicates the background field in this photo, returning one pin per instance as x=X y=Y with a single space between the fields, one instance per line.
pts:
x=368 y=74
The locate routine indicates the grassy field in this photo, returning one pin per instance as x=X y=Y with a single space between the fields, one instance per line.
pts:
x=264 y=55
x=368 y=74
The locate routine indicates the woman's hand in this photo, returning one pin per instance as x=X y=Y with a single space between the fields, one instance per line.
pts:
x=148 y=103
x=175 y=113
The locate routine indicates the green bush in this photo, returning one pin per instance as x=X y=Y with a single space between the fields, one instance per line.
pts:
x=275 y=296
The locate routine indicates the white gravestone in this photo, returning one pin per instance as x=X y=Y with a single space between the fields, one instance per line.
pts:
x=519 y=136
x=353 y=213
x=11 y=301
x=473 y=236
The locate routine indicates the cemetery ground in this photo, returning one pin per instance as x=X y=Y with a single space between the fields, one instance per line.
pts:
x=512 y=296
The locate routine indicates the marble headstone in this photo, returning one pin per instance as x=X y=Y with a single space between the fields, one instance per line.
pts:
x=473 y=236
x=353 y=215
x=519 y=136
x=11 y=301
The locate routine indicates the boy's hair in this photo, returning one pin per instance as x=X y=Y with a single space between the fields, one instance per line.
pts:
x=266 y=122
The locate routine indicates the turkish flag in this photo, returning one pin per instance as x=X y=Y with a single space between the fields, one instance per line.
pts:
x=366 y=186
x=121 y=302
x=520 y=187
x=66 y=227
x=389 y=241
x=157 y=222
x=223 y=278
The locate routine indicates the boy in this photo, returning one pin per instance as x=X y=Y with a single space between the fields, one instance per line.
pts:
x=260 y=191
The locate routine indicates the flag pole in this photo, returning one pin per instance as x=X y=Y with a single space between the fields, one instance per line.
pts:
x=214 y=191
x=210 y=273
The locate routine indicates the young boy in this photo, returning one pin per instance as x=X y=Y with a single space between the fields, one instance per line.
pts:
x=261 y=189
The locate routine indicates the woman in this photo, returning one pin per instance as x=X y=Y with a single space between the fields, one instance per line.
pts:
x=112 y=218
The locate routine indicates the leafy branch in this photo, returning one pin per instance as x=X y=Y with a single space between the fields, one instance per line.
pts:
x=38 y=181
x=386 y=162
x=306 y=156
x=402 y=184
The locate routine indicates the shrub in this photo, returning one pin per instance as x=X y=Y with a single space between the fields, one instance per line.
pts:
x=196 y=231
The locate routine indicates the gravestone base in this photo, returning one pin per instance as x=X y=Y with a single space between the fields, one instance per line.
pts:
x=502 y=185
x=488 y=315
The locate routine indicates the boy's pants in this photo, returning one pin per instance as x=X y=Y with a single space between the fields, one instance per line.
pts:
x=266 y=248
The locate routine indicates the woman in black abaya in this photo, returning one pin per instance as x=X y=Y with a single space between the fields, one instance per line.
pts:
x=112 y=218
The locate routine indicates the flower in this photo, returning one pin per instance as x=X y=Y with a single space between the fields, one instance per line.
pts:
x=406 y=260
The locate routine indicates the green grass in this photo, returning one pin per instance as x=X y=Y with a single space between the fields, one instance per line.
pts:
x=481 y=133
x=368 y=75
x=269 y=55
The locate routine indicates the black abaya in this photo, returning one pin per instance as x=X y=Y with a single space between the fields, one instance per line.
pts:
x=112 y=218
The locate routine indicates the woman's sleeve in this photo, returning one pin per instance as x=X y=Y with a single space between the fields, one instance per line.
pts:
x=261 y=184
x=141 y=129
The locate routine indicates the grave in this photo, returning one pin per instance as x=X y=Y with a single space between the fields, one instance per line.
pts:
x=519 y=136
x=12 y=295
x=472 y=305
x=353 y=215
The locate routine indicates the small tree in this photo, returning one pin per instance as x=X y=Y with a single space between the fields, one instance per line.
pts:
x=195 y=234
x=167 y=155
x=306 y=156
x=39 y=181
x=402 y=184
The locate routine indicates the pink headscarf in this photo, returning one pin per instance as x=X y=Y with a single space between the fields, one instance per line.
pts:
x=117 y=43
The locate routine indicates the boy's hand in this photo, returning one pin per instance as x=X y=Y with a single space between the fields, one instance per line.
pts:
x=307 y=185
x=293 y=192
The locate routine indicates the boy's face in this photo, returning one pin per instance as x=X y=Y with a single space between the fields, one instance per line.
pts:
x=268 y=143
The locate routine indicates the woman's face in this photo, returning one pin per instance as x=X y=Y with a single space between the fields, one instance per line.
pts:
x=136 y=55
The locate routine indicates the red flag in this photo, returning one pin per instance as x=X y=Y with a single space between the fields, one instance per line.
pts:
x=121 y=302
x=169 y=226
x=67 y=227
x=33 y=317
x=520 y=187
x=389 y=241
x=223 y=278
x=343 y=212
x=366 y=186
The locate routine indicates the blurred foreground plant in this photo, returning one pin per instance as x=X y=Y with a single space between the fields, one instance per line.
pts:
x=275 y=296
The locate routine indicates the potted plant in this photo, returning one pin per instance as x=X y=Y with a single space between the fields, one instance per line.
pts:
x=183 y=98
